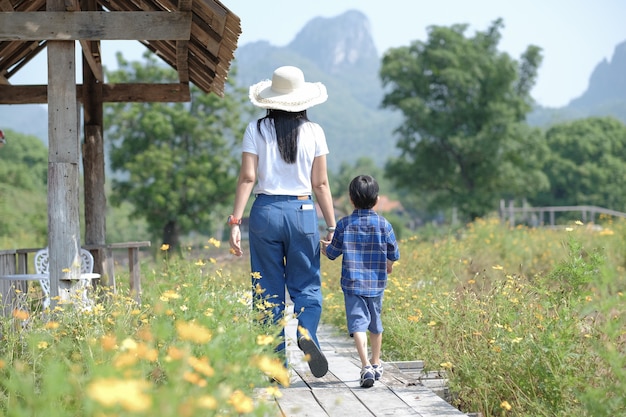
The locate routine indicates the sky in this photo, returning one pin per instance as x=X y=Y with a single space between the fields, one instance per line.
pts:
x=575 y=35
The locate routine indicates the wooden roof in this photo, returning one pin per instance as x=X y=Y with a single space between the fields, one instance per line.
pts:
x=196 y=37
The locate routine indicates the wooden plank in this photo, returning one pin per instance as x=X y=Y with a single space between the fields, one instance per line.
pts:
x=300 y=402
x=341 y=403
x=427 y=402
x=94 y=25
x=92 y=57
x=111 y=93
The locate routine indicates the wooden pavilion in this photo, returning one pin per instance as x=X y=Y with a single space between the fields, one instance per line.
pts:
x=196 y=37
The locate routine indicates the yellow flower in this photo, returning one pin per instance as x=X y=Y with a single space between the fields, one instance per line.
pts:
x=201 y=365
x=207 y=402
x=213 y=260
x=200 y=262
x=578 y=223
x=108 y=342
x=128 y=393
x=165 y=247
x=42 y=345
x=274 y=391
x=446 y=365
x=183 y=308
x=263 y=340
x=174 y=354
x=169 y=295
x=215 y=242
x=241 y=402
x=272 y=367
x=129 y=344
x=497 y=267
x=194 y=378
x=256 y=275
x=20 y=314
x=193 y=332
x=505 y=405
x=52 y=325
x=432 y=323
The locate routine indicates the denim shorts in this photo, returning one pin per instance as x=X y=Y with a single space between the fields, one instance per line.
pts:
x=363 y=313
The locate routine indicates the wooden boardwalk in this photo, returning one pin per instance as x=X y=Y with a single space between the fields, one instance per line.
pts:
x=338 y=394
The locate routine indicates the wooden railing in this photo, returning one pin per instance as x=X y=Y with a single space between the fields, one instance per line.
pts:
x=535 y=216
x=17 y=261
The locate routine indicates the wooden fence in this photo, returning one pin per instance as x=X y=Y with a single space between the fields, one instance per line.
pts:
x=17 y=261
x=536 y=216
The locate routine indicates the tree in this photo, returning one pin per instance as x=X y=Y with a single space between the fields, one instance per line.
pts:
x=463 y=140
x=23 y=190
x=176 y=162
x=586 y=164
x=341 y=181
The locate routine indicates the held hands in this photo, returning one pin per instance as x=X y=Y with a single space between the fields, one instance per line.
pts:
x=324 y=244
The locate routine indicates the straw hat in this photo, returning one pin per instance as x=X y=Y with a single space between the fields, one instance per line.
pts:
x=287 y=91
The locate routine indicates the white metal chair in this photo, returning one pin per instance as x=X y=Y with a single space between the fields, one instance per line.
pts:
x=42 y=261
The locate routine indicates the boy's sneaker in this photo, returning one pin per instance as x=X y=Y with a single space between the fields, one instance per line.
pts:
x=378 y=371
x=317 y=361
x=367 y=376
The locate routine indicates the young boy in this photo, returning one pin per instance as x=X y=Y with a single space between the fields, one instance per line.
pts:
x=369 y=248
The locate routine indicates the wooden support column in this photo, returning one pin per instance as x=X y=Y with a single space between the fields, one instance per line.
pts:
x=93 y=148
x=63 y=158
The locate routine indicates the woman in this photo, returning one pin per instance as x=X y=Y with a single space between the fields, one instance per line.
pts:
x=283 y=163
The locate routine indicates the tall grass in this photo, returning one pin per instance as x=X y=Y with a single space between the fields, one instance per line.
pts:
x=190 y=348
x=526 y=322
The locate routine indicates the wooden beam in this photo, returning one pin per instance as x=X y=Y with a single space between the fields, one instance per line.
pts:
x=111 y=93
x=93 y=59
x=36 y=26
x=6 y=6
x=182 y=61
x=182 y=48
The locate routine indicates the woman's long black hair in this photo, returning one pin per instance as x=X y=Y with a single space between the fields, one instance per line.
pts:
x=287 y=126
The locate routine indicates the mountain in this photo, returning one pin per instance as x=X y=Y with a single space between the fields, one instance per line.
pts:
x=339 y=52
x=605 y=95
x=29 y=119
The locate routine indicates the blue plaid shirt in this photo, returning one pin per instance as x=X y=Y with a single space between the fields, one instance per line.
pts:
x=366 y=241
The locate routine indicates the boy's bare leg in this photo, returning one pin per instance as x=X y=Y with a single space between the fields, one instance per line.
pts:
x=360 y=340
x=376 y=341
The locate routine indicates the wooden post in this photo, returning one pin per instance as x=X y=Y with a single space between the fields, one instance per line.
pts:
x=135 y=280
x=63 y=157
x=93 y=149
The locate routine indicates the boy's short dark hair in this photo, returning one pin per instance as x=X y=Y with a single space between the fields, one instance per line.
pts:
x=364 y=192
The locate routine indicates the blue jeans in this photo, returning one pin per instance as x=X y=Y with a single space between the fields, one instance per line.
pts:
x=285 y=252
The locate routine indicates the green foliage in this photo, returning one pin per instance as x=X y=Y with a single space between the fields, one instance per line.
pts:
x=463 y=140
x=523 y=322
x=23 y=190
x=24 y=162
x=176 y=162
x=585 y=164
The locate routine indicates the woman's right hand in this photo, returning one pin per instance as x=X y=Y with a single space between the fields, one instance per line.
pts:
x=235 y=240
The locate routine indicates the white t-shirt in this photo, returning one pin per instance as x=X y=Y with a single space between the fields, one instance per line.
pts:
x=274 y=175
